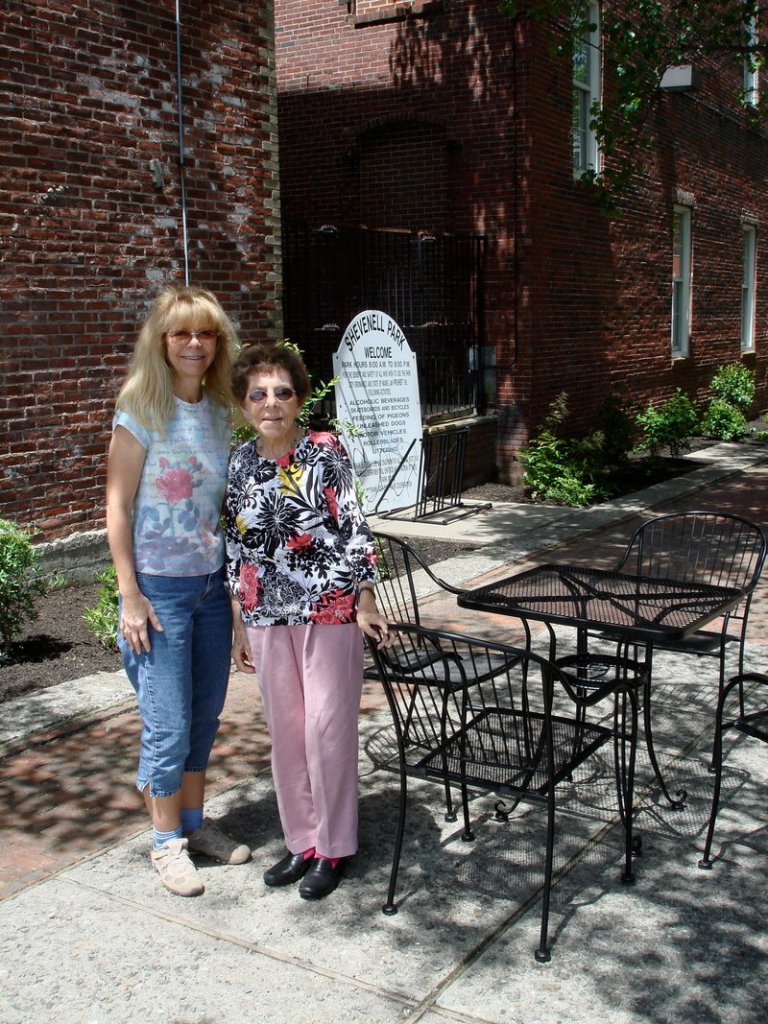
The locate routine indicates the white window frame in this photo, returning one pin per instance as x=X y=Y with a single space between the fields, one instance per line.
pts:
x=748 y=288
x=586 y=93
x=751 y=75
x=681 y=279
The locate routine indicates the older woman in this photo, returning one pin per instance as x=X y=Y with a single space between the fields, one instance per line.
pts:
x=166 y=477
x=300 y=567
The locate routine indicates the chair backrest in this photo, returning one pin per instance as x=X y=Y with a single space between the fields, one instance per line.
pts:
x=714 y=548
x=400 y=575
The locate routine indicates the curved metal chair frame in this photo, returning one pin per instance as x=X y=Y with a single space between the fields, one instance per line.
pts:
x=470 y=713
x=398 y=566
x=706 y=547
x=754 y=723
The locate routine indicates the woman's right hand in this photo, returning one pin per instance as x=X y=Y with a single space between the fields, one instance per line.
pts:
x=137 y=615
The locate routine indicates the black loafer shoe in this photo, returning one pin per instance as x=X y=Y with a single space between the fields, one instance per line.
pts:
x=290 y=869
x=321 y=879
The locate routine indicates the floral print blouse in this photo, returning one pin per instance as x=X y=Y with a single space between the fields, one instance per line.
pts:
x=297 y=545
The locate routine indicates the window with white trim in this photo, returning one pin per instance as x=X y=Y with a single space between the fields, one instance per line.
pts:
x=748 y=289
x=681 y=280
x=751 y=91
x=586 y=93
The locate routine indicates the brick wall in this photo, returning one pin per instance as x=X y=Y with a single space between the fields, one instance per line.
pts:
x=91 y=221
x=575 y=299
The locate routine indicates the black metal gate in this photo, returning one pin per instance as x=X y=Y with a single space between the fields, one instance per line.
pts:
x=431 y=285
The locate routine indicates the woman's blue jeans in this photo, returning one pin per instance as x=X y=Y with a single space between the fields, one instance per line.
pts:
x=181 y=683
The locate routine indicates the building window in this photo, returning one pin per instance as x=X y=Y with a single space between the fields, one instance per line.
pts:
x=751 y=93
x=586 y=92
x=748 y=290
x=681 y=280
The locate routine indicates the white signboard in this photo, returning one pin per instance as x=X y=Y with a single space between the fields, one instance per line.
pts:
x=379 y=395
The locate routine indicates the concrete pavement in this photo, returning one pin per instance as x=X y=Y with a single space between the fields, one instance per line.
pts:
x=88 y=934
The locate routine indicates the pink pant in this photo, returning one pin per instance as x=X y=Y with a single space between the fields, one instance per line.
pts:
x=311 y=679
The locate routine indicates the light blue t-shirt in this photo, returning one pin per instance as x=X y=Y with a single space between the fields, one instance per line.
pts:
x=178 y=502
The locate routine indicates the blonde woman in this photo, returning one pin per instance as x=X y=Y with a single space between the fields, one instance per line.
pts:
x=166 y=478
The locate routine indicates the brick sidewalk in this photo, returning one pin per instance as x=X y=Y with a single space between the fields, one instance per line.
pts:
x=70 y=794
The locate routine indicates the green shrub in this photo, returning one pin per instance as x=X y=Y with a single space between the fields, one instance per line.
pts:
x=545 y=460
x=669 y=424
x=572 y=489
x=724 y=421
x=102 y=619
x=20 y=583
x=559 y=469
x=734 y=384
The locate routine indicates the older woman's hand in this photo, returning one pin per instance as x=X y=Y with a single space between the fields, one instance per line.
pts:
x=241 y=649
x=371 y=621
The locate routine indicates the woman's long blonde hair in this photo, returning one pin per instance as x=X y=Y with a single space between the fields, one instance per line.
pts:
x=147 y=393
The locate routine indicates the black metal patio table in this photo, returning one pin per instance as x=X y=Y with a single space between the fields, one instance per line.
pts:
x=634 y=611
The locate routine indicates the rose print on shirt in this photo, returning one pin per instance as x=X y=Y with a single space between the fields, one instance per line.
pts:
x=176 y=484
x=334 y=607
x=250 y=587
x=301 y=542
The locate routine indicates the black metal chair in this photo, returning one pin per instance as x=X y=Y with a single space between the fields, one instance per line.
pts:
x=400 y=570
x=752 y=723
x=474 y=714
x=715 y=548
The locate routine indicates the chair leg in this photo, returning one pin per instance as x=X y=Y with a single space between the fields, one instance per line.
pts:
x=450 y=810
x=720 y=691
x=390 y=907
x=543 y=954
x=467 y=835
x=648 y=727
x=717 y=758
x=624 y=751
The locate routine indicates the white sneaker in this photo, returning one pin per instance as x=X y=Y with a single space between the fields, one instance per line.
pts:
x=177 y=872
x=212 y=842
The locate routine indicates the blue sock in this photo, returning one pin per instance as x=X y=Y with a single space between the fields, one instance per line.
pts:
x=161 y=838
x=191 y=818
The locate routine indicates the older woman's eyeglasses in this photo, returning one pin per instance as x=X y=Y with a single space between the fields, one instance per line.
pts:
x=261 y=395
x=205 y=337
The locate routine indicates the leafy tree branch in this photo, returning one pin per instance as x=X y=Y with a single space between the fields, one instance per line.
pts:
x=640 y=40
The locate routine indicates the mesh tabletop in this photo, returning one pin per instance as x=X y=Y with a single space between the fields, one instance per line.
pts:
x=641 y=606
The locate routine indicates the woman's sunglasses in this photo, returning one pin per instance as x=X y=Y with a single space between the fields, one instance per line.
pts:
x=281 y=394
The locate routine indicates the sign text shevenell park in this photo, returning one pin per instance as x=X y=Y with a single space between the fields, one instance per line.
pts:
x=379 y=395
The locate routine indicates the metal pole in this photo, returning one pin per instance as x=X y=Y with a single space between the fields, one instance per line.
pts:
x=182 y=169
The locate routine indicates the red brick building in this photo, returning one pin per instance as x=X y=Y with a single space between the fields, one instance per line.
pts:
x=445 y=116
x=108 y=193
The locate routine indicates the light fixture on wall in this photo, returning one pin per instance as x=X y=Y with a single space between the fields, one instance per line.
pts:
x=682 y=78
